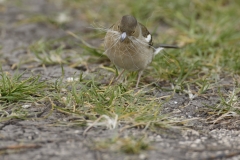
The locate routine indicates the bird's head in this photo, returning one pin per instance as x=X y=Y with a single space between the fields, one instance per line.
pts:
x=127 y=26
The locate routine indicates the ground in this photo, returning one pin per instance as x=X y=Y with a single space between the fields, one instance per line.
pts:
x=56 y=101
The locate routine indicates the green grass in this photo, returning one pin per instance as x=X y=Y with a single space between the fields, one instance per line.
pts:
x=15 y=88
x=129 y=145
x=87 y=98
x=17 y=92
x=48 y=53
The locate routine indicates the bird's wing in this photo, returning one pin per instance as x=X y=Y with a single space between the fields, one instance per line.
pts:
x=146 y=34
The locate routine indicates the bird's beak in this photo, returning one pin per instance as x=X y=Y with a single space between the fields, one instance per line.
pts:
x=123 y=36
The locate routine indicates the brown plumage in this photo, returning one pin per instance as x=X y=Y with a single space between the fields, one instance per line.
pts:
x=128 y=44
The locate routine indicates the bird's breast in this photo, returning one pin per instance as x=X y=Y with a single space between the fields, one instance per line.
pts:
x=131 y=55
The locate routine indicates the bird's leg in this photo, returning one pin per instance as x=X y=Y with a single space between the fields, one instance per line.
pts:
x=139 y=77
x=117 y=78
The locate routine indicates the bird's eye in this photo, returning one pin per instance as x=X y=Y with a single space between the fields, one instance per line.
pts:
x=133 y=32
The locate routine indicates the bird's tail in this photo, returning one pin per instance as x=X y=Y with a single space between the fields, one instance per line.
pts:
x=163 y=46
x=157 y=50
x=168 y=46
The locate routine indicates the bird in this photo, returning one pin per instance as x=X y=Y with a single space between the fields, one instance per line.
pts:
x=128 y=44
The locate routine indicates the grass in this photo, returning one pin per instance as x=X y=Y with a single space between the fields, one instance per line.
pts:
x=17 y=93
x=129 y=145
x=207 y=31
x=14 y=88
x=86 y=98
